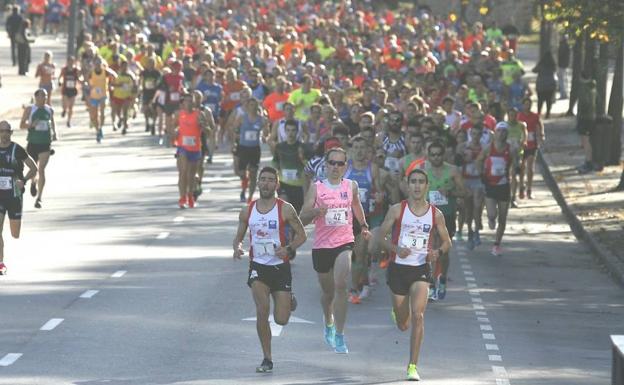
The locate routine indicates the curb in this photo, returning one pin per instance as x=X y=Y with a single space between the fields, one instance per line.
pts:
x=613 y=264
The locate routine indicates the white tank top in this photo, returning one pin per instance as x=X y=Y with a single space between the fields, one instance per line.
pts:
x=266 y=234
x=414 y=232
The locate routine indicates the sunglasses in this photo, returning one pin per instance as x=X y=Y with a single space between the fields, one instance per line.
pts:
x=338 y=163
x=435 y=154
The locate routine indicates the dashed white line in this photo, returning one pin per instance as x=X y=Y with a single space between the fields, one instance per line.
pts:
x=468 y=272
x=483 y=319
x=464 y=260
x=481 y=313
x=495 y=357
x=163 y=235
x=178 y=219
x=500 y=371
x=10 y=359
x=474 y=292
x=485 y=328
x=89 y=293
x=51 y=324
x=119 y=274
x=471 y=285
x=476 y=300
x=466 y=266
x=471 y=279
x=502 y=381
x=488 y=336
x=491 y=347
x=477 y=307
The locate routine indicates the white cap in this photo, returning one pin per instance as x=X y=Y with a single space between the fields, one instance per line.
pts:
x=501 y=126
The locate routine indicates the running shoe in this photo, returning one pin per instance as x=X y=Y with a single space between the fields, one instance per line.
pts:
x=68 y=124
x=341 y=346
x=63 y=114
x=354 y=298
x=209 y=159
x=497 y=251
x=242 y=196
x=265 y=367
x=442 y=288
x=124 y=131
x=492 y=223
x=471 y=242
x=191 y=201
x=393 y=316
x=477 y=238
x=433 y=295
x=330 y=335
x=412 y=373
x=514 y=205
x=38 y=204
x=182 y=203
x=33 y=188
x=383 y=264
x=529 y=195
x=99 y=136
x=521 y=193
x=293 y=302
x=3 y=268
x=365 y=293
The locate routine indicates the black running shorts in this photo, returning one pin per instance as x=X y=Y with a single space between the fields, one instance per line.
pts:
x=401 y=277
x=323 y=260
x=276 y=277
x=12 y=206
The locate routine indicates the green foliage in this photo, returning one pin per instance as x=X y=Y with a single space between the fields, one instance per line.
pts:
x=603 y=20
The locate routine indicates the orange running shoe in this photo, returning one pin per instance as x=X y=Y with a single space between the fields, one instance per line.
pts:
x=182 y=203
x=191 y=201
x=383 y=264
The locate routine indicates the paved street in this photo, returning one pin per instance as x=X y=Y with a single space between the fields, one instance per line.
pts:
x=111 y=283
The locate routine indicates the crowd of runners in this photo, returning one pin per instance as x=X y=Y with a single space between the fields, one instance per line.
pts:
x=391 y=131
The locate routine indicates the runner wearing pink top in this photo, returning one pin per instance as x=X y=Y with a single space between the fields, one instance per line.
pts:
x=331 y=203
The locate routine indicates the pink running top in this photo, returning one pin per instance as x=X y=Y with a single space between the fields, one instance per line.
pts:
x=336 y=227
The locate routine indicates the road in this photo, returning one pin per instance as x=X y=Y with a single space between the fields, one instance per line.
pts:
x=111 y=283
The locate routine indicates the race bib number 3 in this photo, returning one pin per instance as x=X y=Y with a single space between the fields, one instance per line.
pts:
x=6 y=183
x=337 y=217
x=415 y=242
x=437 y=198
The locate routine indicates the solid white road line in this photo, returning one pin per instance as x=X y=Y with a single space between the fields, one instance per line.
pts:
x=10 y=359
x=51 y=324
x=163 y=235
x=477 y=307
x=502 y=381
x=119 y=274
x=471 y=285
x=476 y=300
x=89 y=293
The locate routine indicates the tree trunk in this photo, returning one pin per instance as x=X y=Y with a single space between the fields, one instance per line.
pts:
x=589 y=63
x=545 y=32
x=602 y=72
x=616 y=106
x=577 y=63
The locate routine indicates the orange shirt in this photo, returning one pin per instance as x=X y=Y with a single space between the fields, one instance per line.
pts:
x=37 y=7
x=231 y=94
x=274 y=104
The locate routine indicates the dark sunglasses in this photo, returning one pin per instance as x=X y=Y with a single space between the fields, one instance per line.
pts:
x=336 y=163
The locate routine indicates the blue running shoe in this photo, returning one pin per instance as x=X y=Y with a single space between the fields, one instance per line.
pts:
x=330 y=335
x=341 y=347
x=442 y=288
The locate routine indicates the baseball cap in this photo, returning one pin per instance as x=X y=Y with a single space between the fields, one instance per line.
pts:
x=501 y=126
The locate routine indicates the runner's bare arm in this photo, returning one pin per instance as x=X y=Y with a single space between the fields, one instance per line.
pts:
x=443 y=234
x=308 y=211
x=386 y=228
x=237 y=244
x=24 y=123
x=459 y=183
x=32 y=168
x=289 y=215
x=53 y=125
x=356 y=205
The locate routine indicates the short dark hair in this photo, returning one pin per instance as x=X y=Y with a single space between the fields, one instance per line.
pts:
x=291 y=122
x=270 y=170
x=438 y=144
x=420 y=171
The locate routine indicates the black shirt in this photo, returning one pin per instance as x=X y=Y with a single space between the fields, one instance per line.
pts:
x=11 y=169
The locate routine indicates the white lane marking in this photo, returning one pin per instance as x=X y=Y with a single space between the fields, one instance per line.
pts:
x=485 y=328
x=466 y=266
x=495 y=357
x=471 y=279
x=483 y=319
x=477 y=307
x=476 y=300
x=51 y=324
x=474 y=292
x=471 y=285
x=502 y=381
x=491 y=347
x=10 y=359
x=119 y=274
x=461 y=252
x=488 y=336
x=276 y=329
x=178 y=219
x=481 y=313
x=89 y=293
x=468 y=272
x=464 y=260
x=500 y=371
x=163 y=235
x=207 y=190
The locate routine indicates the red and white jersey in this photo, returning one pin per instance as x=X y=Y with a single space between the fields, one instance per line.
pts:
x=413 y=232
x=496 y=167
x=266 y=234
x=470 y=169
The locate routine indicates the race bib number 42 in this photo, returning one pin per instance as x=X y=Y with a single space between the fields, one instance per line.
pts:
x=337 y=217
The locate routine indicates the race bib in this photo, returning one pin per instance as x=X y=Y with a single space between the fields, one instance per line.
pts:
x=337 y=217
x=70 y=84
x=174 y=96
x=414 y=241
x=212 y=106
x=279 y=106
x=289 y=174
x=41 y=125
x=98 y=91
x=235 y=96
x=498 y=166
x=392 y=164
x=362 y=192
x=251 y=136
x=161 y=98
x=6 y=183
x=264 y=247
x=188 y=141
x=150 y=84
x=531 y=137
x=471 y=169
x=437 y=198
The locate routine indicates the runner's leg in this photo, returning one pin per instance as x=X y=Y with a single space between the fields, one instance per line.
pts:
x=44 y=157
x=261 y=295
x=418 y=304
x=341 y=273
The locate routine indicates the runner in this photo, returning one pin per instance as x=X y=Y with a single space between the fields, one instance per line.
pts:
x=45 y=73
x=445 y=187
x=535 y=137
x=250 y=127
x=329 y=204
x=278 y=133
x=13 y=157
x=393 y=143
x=39 y=120
x=123 y=95
x=366 y=174
x=150 y=77
x=68 y=81
x=269 y=269
x=497 y=159
x=171 y=87
x=415 y=158
x=475 y=189
x=98 y=91
x=190 y=127
x=412 y=223
x=213 y=93
x=207 y=121
x=517 y=139
x=303 y=98
x=289 y=160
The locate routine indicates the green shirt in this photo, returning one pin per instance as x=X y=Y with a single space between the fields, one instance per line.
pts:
x=287 y=161
x=303 y=102
x=446 y=203
x=41 y=122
